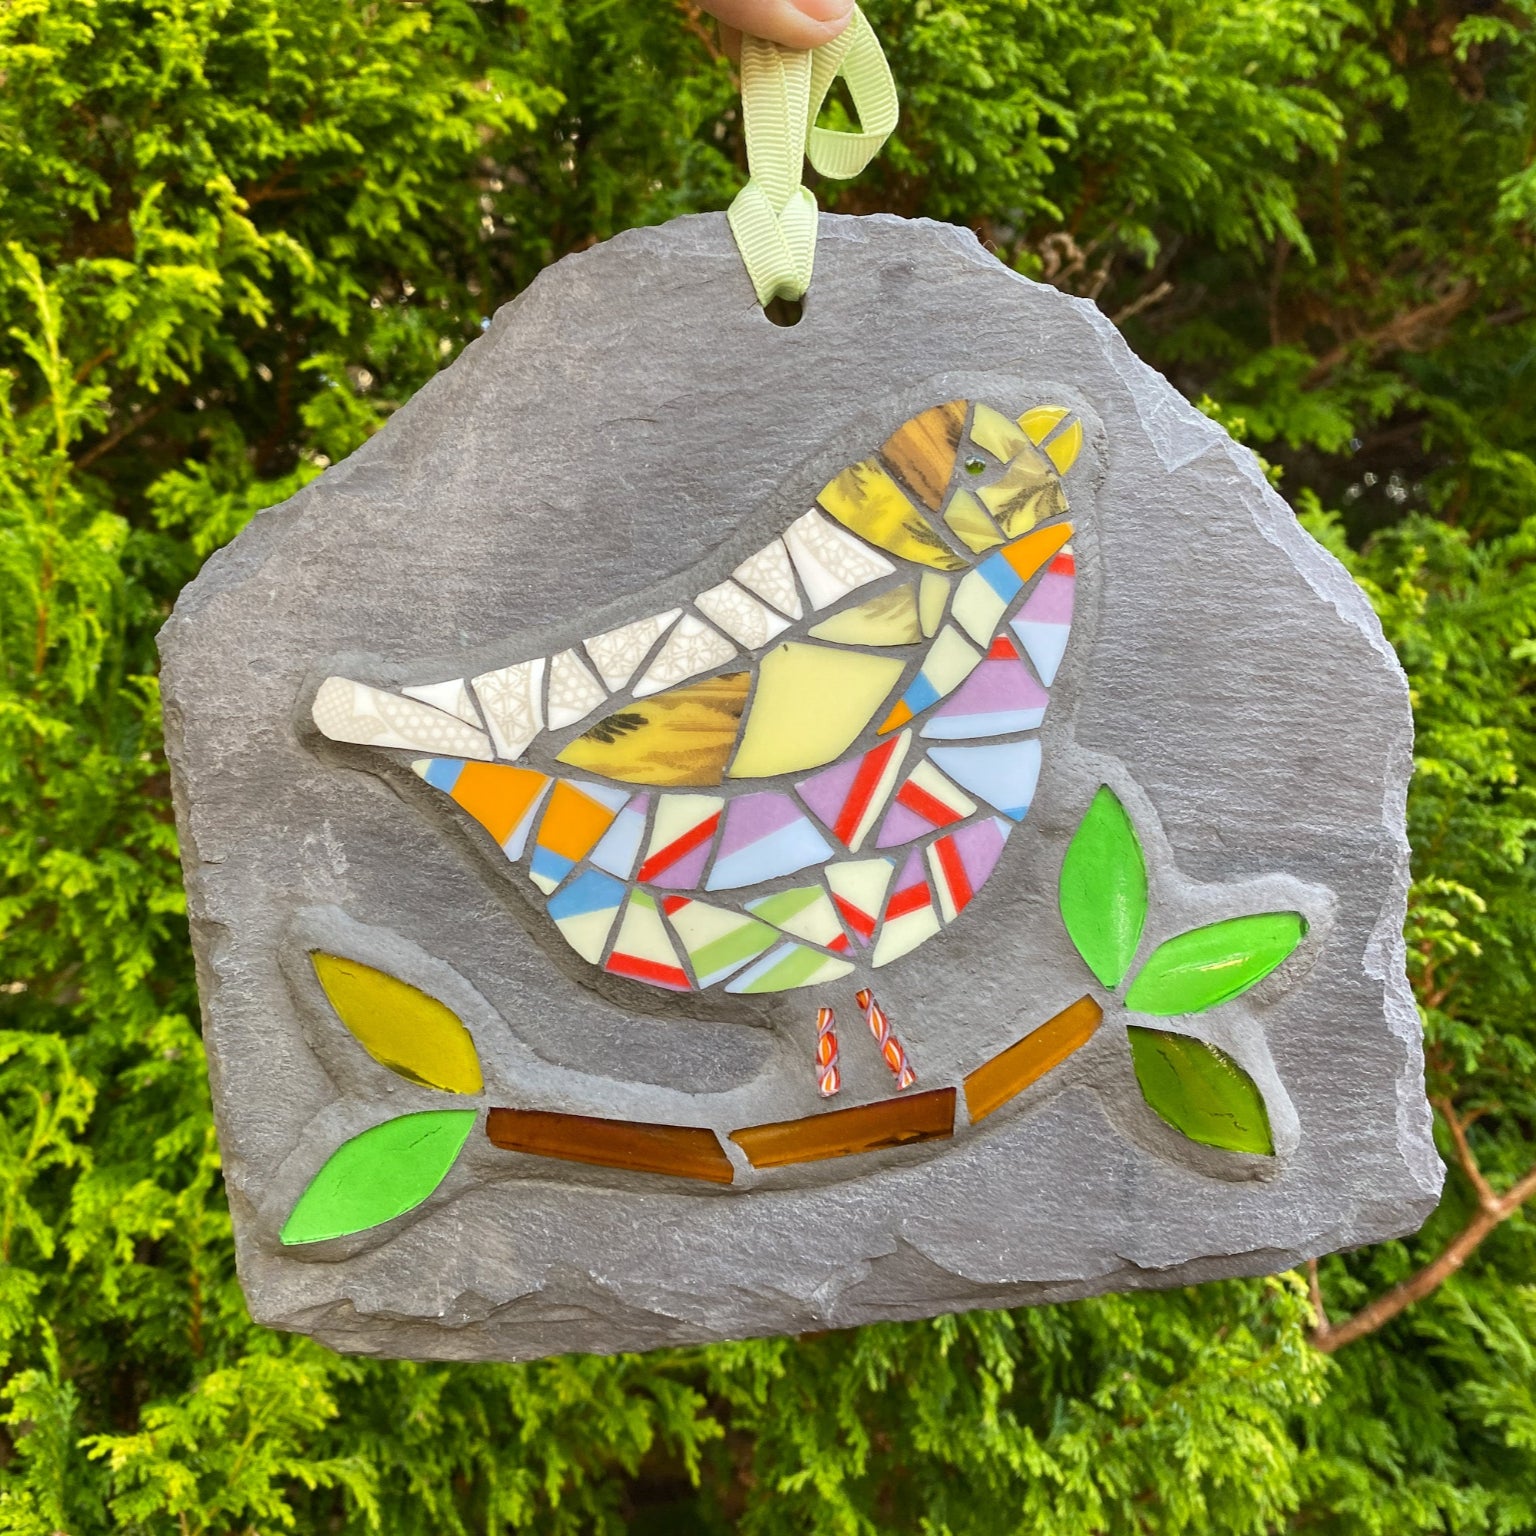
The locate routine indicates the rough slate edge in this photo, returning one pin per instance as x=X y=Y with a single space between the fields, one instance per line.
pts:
x=692 y=266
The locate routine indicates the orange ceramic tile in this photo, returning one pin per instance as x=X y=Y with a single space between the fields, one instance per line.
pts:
x=577 y=816
x=497 y=796
x=1028 y=554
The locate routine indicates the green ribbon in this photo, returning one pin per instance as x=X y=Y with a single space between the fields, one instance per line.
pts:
x=782 y=90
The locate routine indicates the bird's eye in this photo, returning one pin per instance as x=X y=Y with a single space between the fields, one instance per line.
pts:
x=974 y=466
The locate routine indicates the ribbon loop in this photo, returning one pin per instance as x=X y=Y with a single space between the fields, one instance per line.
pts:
x=773 y=217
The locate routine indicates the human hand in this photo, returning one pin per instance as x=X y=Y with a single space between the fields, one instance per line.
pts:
x=794 y=23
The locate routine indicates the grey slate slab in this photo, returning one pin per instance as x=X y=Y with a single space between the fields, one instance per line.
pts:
x=625 y=431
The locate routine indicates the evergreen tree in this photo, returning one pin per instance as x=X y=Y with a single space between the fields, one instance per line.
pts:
x=234 y=234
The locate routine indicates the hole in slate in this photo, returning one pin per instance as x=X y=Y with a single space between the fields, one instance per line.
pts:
x=784 y=311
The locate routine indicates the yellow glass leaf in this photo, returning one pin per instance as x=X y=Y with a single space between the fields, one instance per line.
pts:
x=684 y=736
x=811 y=703
x=399 y=1026
x=866 y=501
x=888 y=619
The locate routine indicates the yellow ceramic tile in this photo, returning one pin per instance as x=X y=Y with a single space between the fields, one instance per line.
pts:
x=901 y=935
x=1026 y=493
x=867 y=502
x=932 y=595
x=718 y=940
x=1063 y=449
x=888 y=619
x=968 y=520
x=910 y=918
x=979 y=604
x=806 y=912
x=584 y=912
x=1041 y=420
x=950 y=660
x=682 y=737
x=643 y=949
x=811 y=703
x=922 y=452
x=949 y=663
x=859 y=891
x=993 y=431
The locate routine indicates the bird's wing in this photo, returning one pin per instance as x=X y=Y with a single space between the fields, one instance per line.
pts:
x=821 y=753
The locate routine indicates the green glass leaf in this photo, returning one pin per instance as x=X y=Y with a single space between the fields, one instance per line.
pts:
x=1200 y=1091
x=1214 y=964
x=1103 y=889
x=379 y=1175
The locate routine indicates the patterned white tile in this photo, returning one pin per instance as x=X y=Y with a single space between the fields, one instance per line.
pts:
x=452 y=696
x=512 y=700
x=691 y=648
x=370 y=717
x=746 y=620
x=573 y=692
x=831 y=562
x=617 y=653
x=770 y=575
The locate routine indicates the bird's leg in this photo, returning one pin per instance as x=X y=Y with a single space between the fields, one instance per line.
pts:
x=890 y=1047
x=828 y=1078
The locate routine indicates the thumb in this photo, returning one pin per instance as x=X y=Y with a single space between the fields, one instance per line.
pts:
x=794 y=23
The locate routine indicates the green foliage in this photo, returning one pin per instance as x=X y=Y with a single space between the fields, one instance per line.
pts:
x=237 y=233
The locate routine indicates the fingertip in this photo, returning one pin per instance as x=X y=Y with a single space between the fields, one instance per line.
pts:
x=826 y=18
x=791 y=23
x=835 y=12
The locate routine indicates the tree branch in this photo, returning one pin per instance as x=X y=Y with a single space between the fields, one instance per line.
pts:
x=1411 y=331
x=1315 y=1293
x=112 y=439
x=1486 y=1198
x=1145 y=301
x=1491 y=1211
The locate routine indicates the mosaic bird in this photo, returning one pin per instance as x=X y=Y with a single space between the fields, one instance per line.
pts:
x=811 y=768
